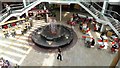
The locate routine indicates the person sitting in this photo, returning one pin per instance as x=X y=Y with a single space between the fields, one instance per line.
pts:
x=115 y=47
x=29 y=26
x=101 y=36
x=6 y=34
x=96 y=27
x=92 y=42
x=13 y=33
x=80 y=26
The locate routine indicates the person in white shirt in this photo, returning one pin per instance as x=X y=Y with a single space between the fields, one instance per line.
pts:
x=8 y=8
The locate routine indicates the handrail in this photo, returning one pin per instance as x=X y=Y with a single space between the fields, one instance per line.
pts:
x=94 y=10
x=2 y=10
x=16 y=11
x=26 y=6
x=110 y=16
x=16 y=4
x=107 y=10
x=17 y=7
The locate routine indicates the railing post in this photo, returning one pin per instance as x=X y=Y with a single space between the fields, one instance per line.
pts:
x=0 y=5
x=103 y=28
x=24 y=2
x=60 y=11
x=46 y=13
x=105 y=5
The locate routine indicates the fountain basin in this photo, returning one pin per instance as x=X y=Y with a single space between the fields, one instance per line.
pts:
x=42 y=37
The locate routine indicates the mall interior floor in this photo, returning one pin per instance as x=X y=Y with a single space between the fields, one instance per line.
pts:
x=21 y=50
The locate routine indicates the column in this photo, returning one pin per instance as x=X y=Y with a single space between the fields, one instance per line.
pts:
x=103 y=28
x=60 y=12
x=105 y=5
x=46 y=13
x=28 y=2
x=0 y=5
x=24 y=2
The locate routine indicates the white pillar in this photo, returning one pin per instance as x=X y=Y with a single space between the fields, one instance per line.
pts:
x=103 y=28
x=46 y=14
x=24 y=2
x=105 y=4
x=44 y=7
x=0 y=5
x=26 y=14
x=60 y=12
x=28 y=2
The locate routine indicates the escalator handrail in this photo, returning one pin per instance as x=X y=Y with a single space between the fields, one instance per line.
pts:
x=26 y=6
x=21 y=10
x=107 y=10
x=2 y=10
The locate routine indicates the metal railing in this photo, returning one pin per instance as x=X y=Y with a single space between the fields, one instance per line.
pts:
x=110 y=20
x=114 y=14
x=93 y=10
x=6 y=14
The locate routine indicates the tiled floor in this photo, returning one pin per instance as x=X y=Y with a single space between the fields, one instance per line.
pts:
x=20 y=50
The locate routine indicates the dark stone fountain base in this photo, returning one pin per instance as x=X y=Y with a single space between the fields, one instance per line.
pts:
x=43 y=38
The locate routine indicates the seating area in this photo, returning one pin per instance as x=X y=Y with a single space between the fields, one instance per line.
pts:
x=103 y=41
x=15 y=27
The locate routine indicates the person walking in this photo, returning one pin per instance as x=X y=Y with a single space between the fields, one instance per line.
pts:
x=8 y=9
x=59 y=56
x=17 y=66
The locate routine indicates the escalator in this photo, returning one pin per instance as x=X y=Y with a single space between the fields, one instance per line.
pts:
x=5 y=16
x=105 y=18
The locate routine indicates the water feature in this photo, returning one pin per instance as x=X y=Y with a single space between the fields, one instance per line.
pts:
x=53 y=35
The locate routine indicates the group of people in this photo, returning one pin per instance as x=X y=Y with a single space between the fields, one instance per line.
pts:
x=4 y=63
x=7 y=34
x=19 y=28
x=89 y=41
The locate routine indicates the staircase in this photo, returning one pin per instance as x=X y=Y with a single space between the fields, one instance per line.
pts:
x=4 y=16
x=16 y=6
x=106 y=18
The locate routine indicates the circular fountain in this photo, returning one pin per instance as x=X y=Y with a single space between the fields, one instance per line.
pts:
x=53 y=36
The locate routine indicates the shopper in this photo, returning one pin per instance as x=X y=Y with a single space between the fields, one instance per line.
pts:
x=8 y=8
x=114 y=48
x=59 y=56
x=16 y=66
x=102 y=34
x=92 y=42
